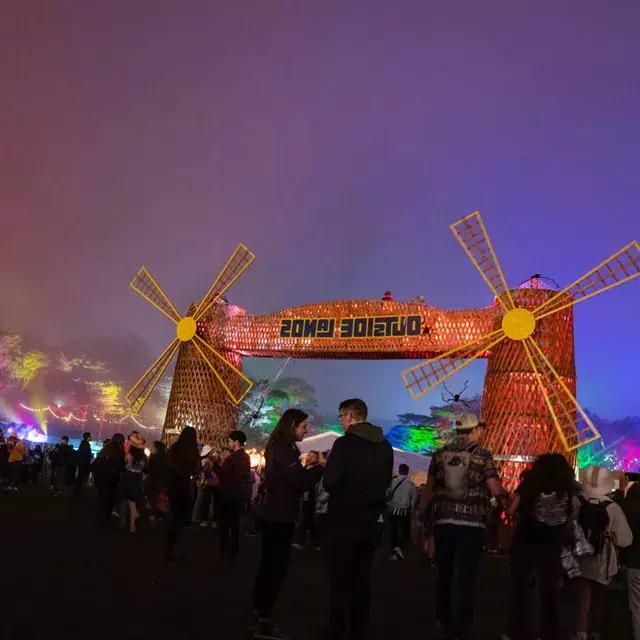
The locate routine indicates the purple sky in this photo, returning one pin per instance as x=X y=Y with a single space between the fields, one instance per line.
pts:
x=338 y=140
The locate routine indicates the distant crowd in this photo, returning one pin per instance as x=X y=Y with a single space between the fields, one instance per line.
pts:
x=564 y=534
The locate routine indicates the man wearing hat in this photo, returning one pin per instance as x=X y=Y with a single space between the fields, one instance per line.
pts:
x=462 y=477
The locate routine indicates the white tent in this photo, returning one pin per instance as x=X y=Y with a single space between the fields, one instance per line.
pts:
x=418 y=465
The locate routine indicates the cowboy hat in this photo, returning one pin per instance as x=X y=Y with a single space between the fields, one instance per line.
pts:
x=137 y=441
x=466 y=421
x=596 y=482
x=206 y=450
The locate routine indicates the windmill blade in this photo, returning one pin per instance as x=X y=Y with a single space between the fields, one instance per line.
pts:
x=562 y=404
x=621 y=267
x=141 y=390
x=145 y=284
x=221 y=367
x=239 y=261
x=423 y=377
x=471 y=233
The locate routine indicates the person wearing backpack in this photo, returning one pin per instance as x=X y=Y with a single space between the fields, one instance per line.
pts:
x=606 y=528
x=544 y=505
x=401 y=498
x=462 y=476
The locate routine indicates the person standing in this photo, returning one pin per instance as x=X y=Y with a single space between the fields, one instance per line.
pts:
x=85 y=458
x=107 y=470
x=184 y=462
x=605 y=526
x=285 y=482
x=307 y=512
x=545 y=505
x=4 y=458
x=631 y=554
x=462 y=475
x=158 y=480
x=401 y=501
x=357 y=476
x=16 y=457
x=235 y=476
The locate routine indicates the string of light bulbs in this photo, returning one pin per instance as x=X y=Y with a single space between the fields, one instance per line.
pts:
x=70 y=417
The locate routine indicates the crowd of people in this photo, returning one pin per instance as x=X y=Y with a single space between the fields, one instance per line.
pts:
x=566 y=534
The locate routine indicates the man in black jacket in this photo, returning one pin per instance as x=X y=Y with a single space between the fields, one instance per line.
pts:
x=235 y=475
x=356 y=477
x=85 y=457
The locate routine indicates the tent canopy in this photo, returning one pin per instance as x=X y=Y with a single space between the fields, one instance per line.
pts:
x=418 y=464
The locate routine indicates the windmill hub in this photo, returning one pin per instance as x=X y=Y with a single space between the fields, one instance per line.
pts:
x=518 y=323
x=186 y=329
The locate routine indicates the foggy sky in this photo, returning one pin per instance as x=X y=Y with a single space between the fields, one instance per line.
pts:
x=338 y=140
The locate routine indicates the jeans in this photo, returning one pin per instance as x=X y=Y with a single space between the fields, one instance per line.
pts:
x=633 y=578
x=206 y=495
x=274 y=564
x=84 y=470
x=458 y=551
x=535 y=550
x=228 y=528
x=399 y=530
x=307 y=523
x=349 y=552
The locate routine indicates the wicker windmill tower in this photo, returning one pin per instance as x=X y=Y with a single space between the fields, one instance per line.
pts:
x=529 y=398
x=207 y=384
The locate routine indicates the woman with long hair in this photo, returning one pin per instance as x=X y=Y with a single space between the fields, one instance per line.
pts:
x=285 y=482
x=545 y=505
x=184 y=462
x=131 y=480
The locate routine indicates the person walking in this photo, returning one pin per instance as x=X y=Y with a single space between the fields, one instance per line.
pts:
x=234 y=488
x=356 y=477
x=285 y=482
x=606 y=528
x=184 y=462
x=401 y=500
x=545 y=506
x=461 y=478
x=85 y=458
x=631 y=554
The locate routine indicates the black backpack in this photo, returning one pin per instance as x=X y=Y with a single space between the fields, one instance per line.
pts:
x=594 y=520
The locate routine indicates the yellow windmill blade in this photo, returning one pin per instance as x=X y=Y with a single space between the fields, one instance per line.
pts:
x=621 y=267
x=239 y=261
x=141 y=390
x=562 y=404
x=145 y=284
x=471 y=233
x=221 y=367
x=423 y=377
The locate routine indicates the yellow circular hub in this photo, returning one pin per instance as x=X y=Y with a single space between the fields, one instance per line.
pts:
x=518 y=324
x=186 y=329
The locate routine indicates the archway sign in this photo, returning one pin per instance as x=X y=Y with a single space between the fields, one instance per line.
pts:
x=526 y=333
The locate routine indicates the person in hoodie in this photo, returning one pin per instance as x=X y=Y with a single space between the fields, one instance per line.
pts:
x=357 y=476
x=286 y=480
x=234 y=474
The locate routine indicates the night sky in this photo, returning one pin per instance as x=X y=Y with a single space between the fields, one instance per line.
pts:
x=338 y=140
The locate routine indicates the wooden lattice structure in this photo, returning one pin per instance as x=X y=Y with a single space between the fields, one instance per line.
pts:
x=526 y=334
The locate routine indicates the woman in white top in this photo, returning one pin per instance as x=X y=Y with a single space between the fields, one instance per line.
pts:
x=606 y=527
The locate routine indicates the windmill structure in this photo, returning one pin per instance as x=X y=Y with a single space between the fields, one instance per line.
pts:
x=530 y=387
x=208 y=384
